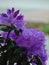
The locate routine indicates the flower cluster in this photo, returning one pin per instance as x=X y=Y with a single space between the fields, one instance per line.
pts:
x=33 y=40
x=12 y=17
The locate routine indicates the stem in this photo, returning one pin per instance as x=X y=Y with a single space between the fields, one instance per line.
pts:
x=7 y=36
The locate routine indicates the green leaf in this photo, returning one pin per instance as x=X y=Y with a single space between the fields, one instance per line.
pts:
x=3 y=59
x=19 y=50
x=9 y=53
x=10 y=42
x=25 y=63
x=39 y=61
x=16 y=31
x=6 y=29
x=1 y=39
x=14 y=43
x=3 y=48
x=13 y=27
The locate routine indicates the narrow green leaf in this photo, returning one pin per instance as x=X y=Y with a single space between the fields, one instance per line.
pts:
x=39 y=61
x=19 y=50
x=1 y=39
x=6 y=29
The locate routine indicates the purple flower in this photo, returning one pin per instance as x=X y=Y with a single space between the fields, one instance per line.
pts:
x=13 y=36
x=30 y=37
x=34 y=41
x=13 y=17
x=4 y=34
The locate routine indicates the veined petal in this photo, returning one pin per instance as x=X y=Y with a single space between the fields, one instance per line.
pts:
x=13 y=9
x=4 y=15
x=20 y=17
x=8 y=11
x=16 y=13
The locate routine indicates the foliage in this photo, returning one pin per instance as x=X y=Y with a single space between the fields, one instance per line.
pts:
x=45 y=29
x=12 y=52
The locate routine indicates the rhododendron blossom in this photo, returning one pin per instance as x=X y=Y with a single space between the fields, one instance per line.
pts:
x=12 y=17
x=31 y=39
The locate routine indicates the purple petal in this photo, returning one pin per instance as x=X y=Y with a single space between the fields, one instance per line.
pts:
x=16 y=13
x=4 y=34
x=12 y=9
x=8 y=11
x=4 y=15
x=1 y=19
x=20 y=17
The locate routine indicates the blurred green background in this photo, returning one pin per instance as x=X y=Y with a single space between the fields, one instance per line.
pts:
x=40 y=26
